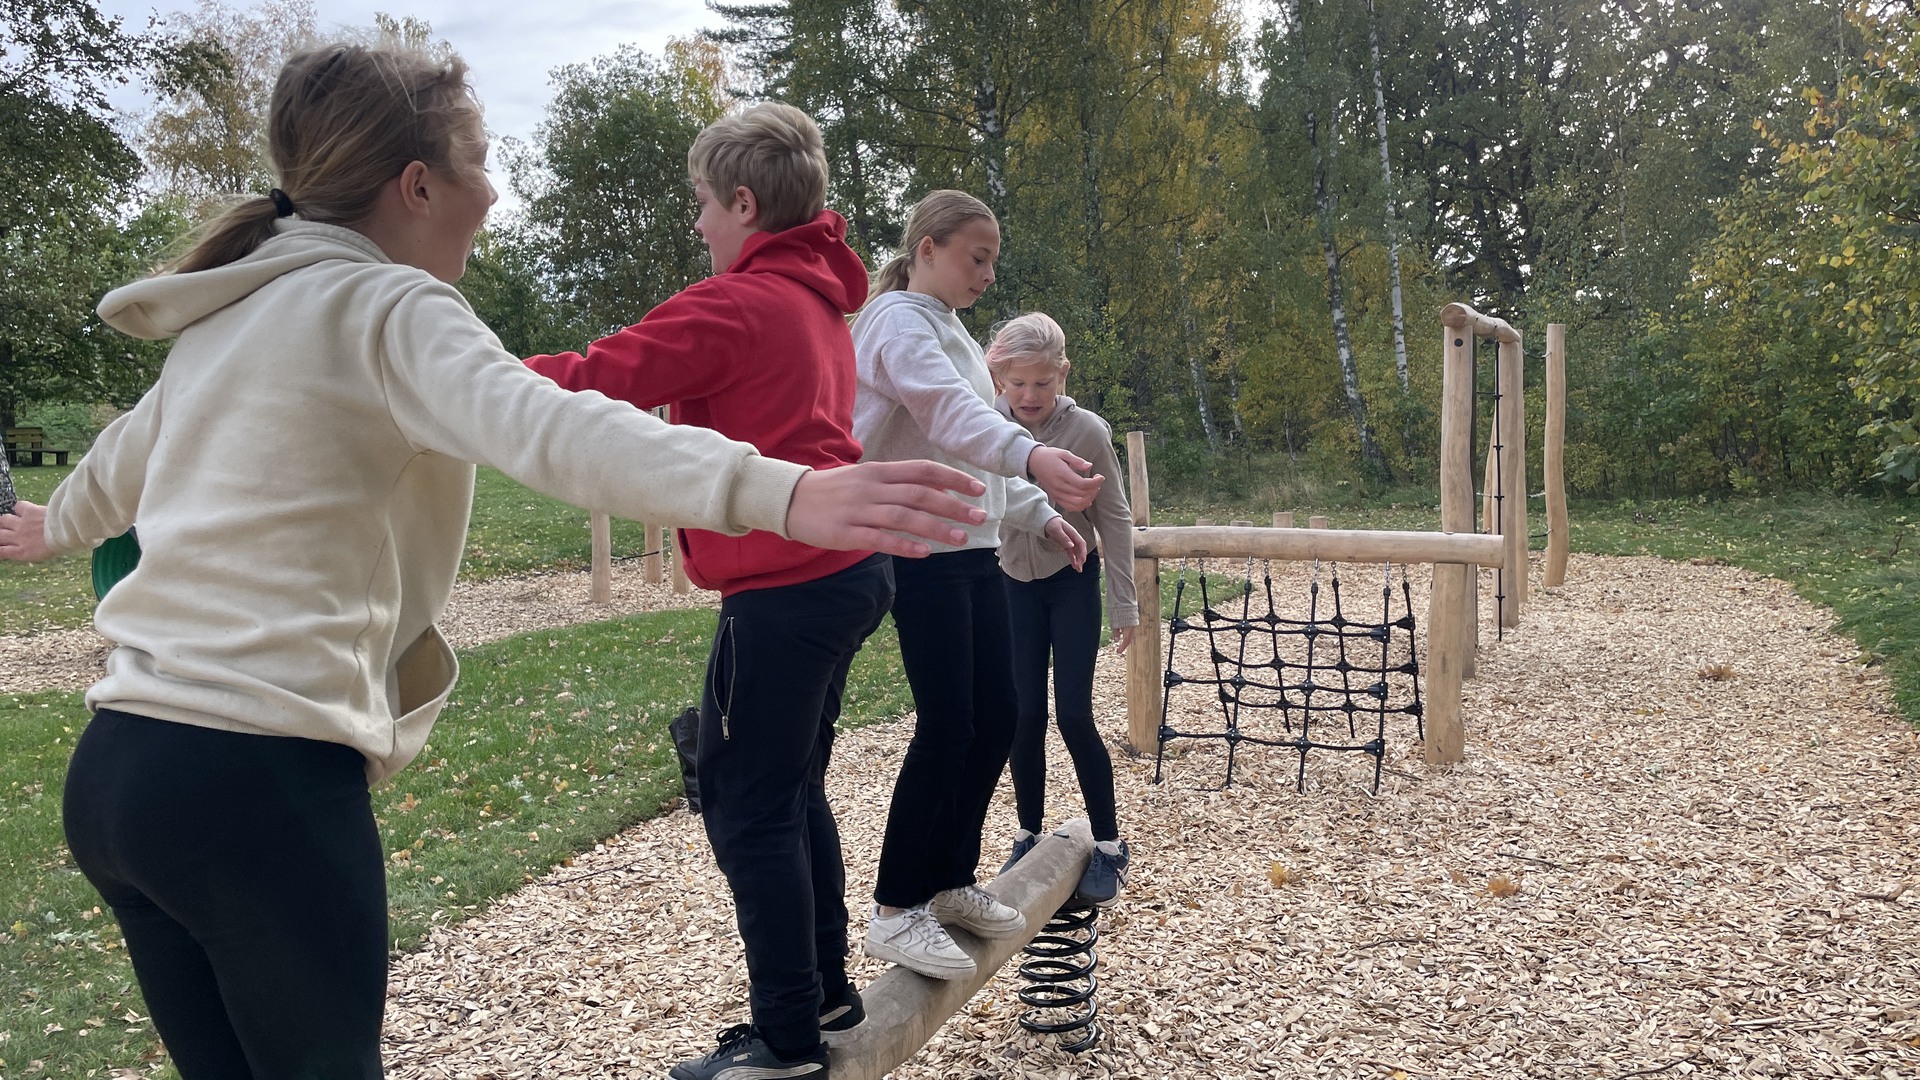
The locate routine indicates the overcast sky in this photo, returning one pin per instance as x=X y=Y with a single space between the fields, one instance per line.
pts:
x=512 y=45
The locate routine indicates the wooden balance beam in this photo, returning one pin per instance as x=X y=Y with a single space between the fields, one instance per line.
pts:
x=905 y=1008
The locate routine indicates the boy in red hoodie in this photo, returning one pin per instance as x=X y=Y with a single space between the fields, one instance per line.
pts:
x=760 y=352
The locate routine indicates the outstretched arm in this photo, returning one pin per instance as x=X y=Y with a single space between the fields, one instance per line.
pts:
x=863 y=507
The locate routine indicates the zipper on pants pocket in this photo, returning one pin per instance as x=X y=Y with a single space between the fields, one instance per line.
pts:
x=725 y=702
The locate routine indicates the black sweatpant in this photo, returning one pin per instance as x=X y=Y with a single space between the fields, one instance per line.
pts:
x=246 y=874
x=1060 y=615
x=774 y=680
x=951 y=611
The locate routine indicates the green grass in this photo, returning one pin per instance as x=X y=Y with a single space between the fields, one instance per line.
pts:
x=514 y=531
x=554 y=740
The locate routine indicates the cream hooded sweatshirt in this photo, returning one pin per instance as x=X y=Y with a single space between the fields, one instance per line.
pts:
x=300 y=473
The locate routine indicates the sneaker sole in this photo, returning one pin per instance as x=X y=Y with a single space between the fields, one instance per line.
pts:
x=990 y=932
x=756 y=1072
x=829 y=1019
x=882 y=951
x=766 y=1072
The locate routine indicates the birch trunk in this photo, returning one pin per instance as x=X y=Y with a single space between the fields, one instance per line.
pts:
x=1323 y=204
x=1393 y=207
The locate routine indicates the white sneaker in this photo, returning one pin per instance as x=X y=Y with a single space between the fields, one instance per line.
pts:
x=975 y=908
x=916 y=941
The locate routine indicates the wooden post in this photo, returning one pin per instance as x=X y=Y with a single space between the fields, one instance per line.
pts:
x=1490 y=519
x=1145 y=678
x=682 y=585
x=1513 y=481
x=1317 y=521
x=600 y=526
x=1283 y=519
x=1552 y=456
x=652 y=569
x=1449 y=631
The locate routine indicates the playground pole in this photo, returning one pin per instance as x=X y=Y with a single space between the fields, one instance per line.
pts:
x=1553 y=456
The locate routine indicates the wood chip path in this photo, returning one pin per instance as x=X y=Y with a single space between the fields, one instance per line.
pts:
x=1685 y=842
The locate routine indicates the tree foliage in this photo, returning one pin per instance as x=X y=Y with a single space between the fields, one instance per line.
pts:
x=64 y=173
x=607 y=202
x=1714 y=195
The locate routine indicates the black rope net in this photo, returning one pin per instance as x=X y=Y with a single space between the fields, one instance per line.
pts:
x=1300 y=680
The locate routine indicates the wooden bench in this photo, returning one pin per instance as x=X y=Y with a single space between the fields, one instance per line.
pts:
x=28 y=445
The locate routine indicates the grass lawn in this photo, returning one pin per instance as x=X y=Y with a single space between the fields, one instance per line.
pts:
x=557 y=739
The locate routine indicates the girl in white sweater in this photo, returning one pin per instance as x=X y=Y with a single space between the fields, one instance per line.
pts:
x=301 y=473
x=924 y=392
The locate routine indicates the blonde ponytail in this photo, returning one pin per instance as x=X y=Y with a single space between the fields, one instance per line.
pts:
x=937 y=217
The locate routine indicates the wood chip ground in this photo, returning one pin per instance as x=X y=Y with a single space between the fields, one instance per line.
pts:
x=1683 y=843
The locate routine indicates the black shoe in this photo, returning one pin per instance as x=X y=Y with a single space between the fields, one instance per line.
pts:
x=1021 y=846
x=1106 y=875
x=744 y=1055
x=842 y=1012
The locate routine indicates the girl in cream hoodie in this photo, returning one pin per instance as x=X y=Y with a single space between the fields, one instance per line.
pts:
x=301 y=474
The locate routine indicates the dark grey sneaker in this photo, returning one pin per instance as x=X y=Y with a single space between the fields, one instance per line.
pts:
x=1106 y=875
x=1021 y=846
x=744 y=1055
x=842 y=1012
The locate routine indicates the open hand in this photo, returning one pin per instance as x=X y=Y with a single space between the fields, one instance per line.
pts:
x=864 y=507
x=23 y=533
x=1062 y=476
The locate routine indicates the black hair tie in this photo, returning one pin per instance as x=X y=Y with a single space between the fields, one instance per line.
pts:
x=281 y=204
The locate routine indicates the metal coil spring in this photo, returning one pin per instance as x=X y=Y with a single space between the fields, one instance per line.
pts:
x=1060 y=980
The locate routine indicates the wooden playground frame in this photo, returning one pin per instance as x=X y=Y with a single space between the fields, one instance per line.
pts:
x=1456 y=552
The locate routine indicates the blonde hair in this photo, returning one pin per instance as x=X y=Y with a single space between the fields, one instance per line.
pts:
x=344 y=120
x=773 y=150
x=938 y=216
x=1033 y=338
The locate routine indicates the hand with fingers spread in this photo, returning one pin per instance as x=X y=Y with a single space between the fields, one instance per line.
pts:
x=1062 y=475
x=23 y=533
x=866 y=506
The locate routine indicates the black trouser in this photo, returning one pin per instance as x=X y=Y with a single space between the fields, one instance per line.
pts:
x=246 y=874
x=1059 y=614
x=774 y=679
x=951 y=612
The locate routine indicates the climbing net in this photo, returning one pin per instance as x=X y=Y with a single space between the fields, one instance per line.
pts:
x=1304 y=681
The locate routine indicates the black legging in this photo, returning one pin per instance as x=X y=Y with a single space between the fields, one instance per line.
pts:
x=1059 y=614
x=245 y=871
x=951 y=611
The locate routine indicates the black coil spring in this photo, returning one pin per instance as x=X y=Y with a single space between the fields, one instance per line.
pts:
x=1059 y=978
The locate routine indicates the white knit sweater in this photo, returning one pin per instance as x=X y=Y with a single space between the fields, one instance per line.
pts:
x=301 y=477
x=925 y=392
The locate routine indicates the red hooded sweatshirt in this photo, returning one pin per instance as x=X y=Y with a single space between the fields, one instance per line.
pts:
x=761 y=354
